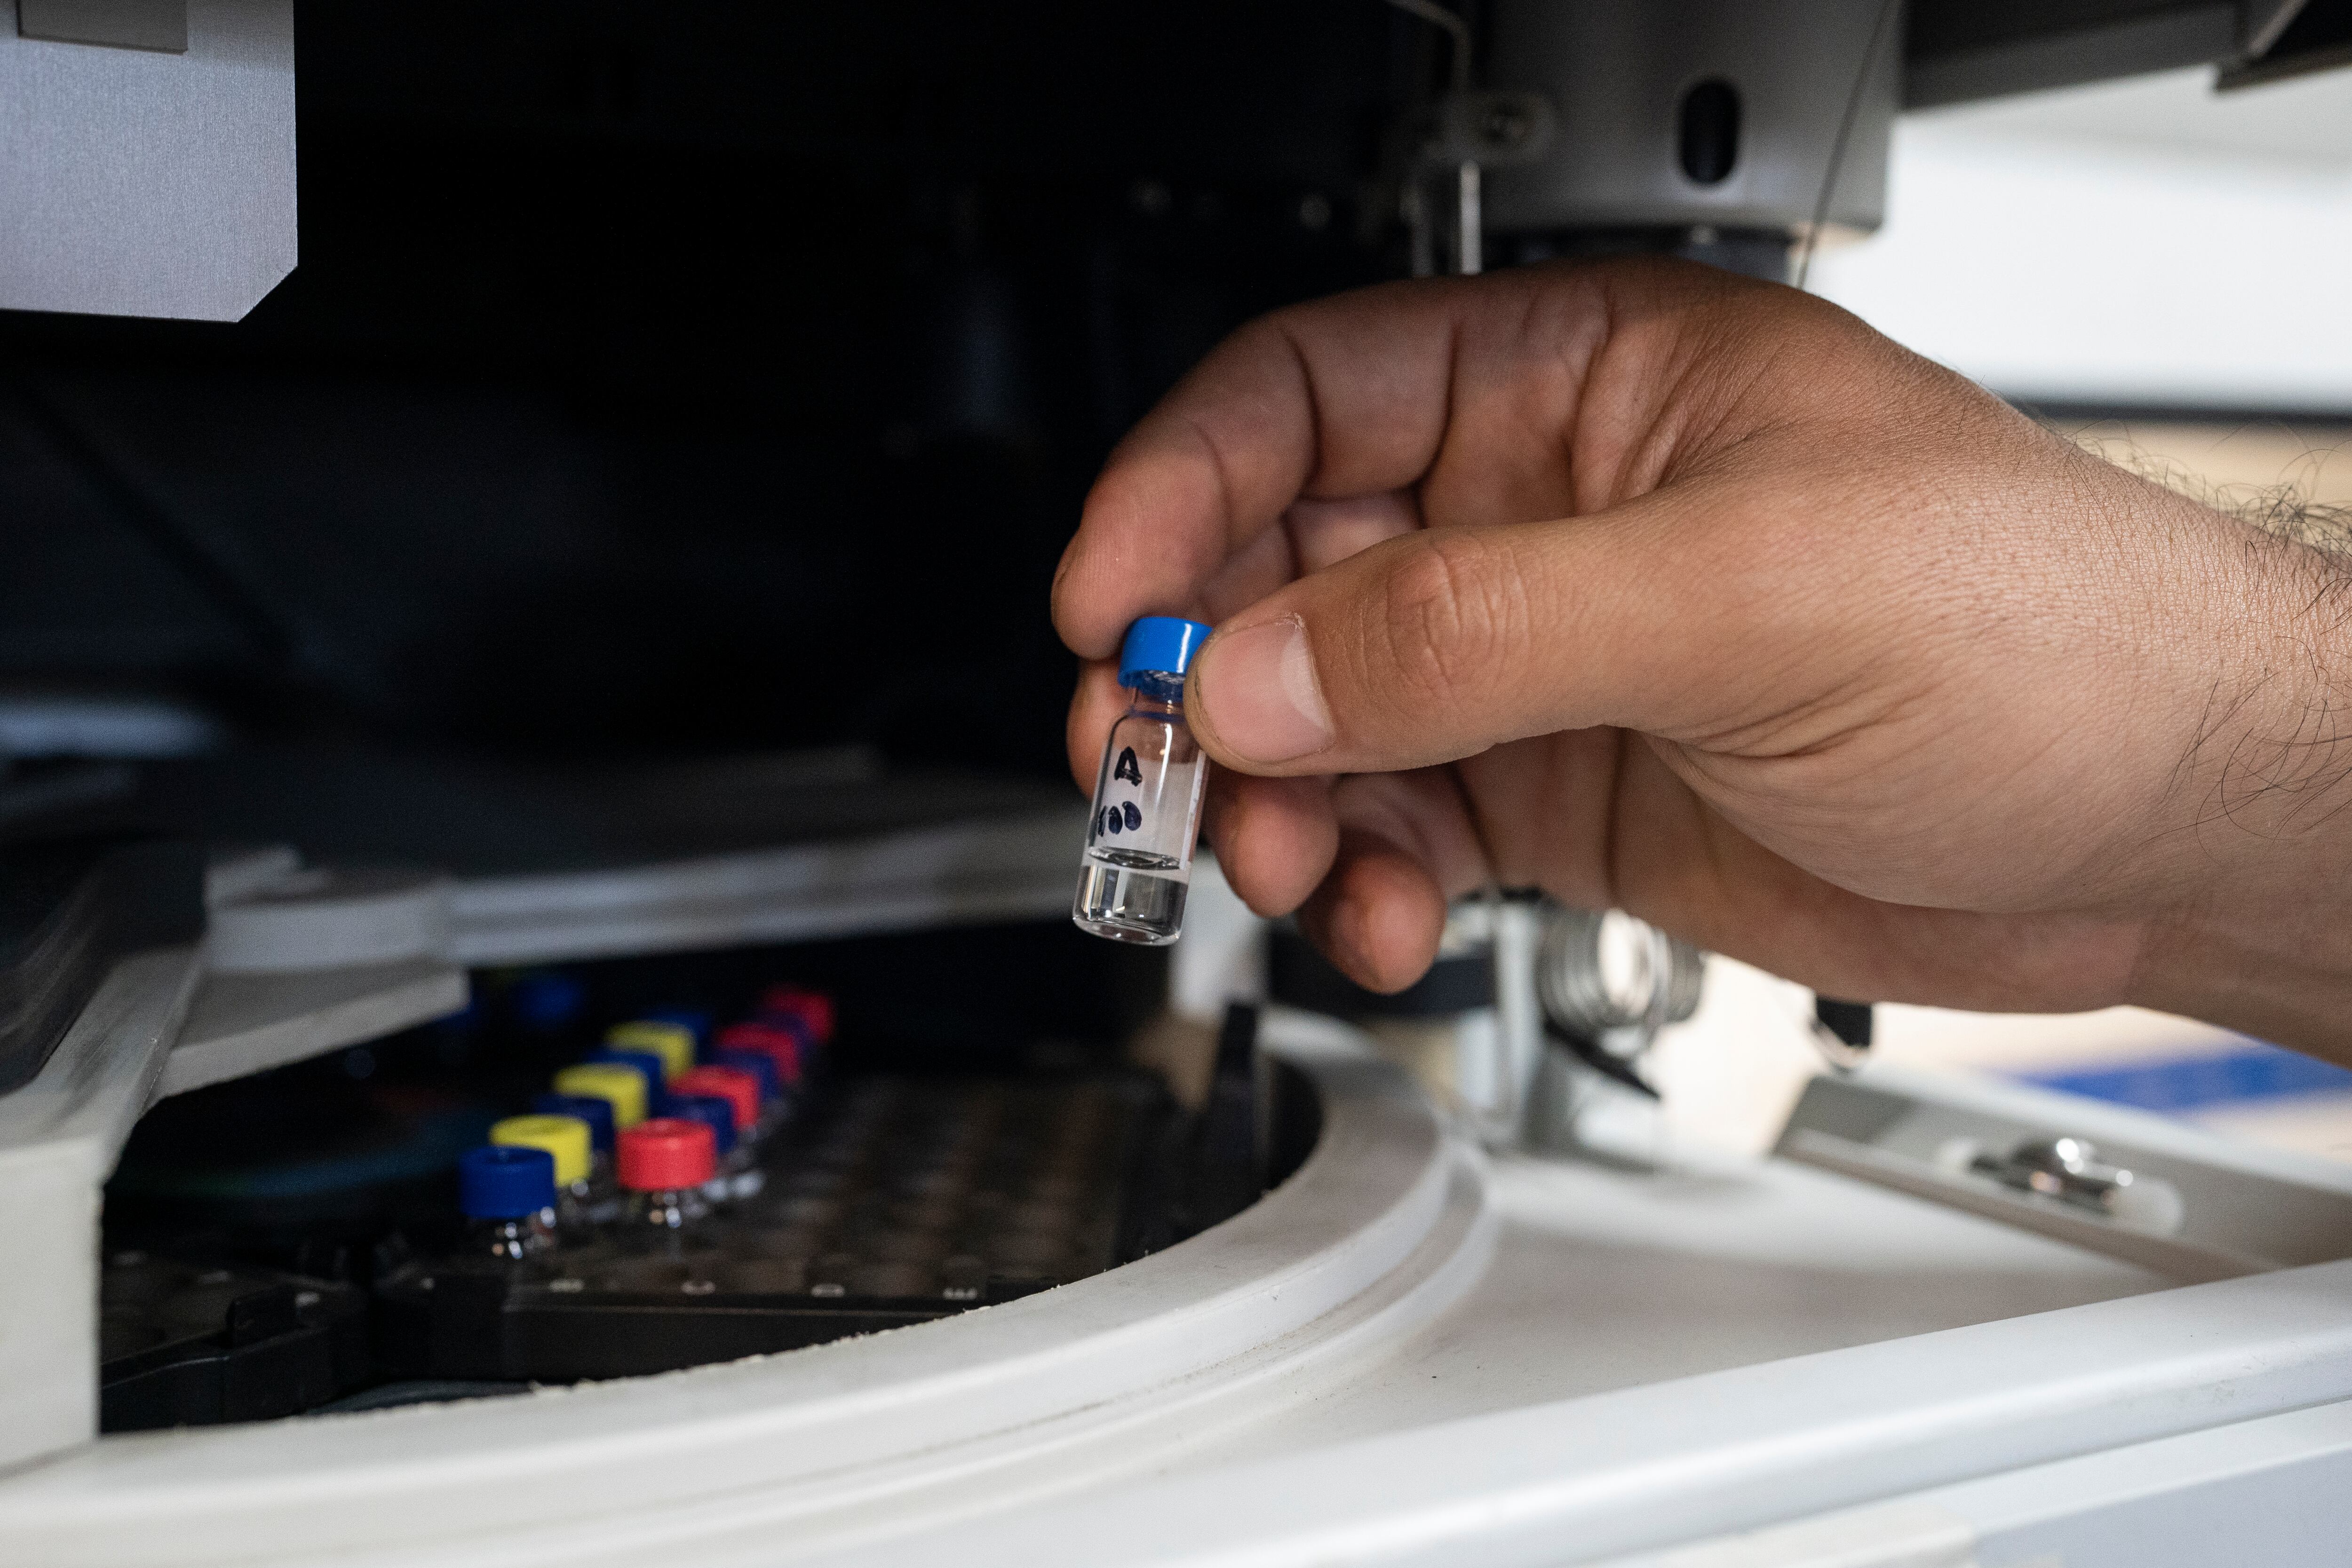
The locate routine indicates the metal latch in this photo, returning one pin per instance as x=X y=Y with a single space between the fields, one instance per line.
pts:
x=2171 y=1197
x=2071 y=1170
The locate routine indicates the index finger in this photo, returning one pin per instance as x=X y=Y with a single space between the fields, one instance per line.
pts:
x=1340 y=397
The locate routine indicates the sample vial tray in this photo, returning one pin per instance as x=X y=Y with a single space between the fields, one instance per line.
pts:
x=906 y=1199
x=184 y=1345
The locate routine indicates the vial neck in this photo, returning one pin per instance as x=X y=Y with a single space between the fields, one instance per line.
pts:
x=1153 y=692
x=513 y=1239
x=674 y=1206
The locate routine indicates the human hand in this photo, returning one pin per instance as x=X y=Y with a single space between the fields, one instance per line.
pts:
x=1671 y=591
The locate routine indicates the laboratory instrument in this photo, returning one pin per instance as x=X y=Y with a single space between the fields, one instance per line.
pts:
x=603 y=587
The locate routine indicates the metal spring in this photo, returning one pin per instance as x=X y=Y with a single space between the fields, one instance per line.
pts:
x=1575 y=991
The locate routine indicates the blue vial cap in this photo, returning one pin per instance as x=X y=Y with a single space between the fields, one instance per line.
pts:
x=590 y=1108
x=708 y=1108
x=758 y=1064
x=547 y=999
x=505 y=1181
x=1160 y=644
x=655 y=1070
x=697 y=1022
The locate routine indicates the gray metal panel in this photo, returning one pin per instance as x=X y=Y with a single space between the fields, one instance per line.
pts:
x=123 y=23
x=2131 y=46
x=1616 y=75
x=126 y=24
x=136 y=182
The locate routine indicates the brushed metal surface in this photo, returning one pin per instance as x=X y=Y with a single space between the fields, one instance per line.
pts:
x=138 y=181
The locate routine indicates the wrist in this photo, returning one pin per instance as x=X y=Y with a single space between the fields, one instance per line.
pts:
x=2288 y=982
x=2260 y=937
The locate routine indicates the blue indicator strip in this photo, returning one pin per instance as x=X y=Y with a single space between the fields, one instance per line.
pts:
x=2249 y=1073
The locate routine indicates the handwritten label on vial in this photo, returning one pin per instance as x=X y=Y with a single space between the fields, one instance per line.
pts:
x=1129 y=770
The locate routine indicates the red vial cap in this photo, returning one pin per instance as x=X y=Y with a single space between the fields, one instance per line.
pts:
x=776 y=1041
x=814 y=1009
x=732 y=1085
x=665 y=1153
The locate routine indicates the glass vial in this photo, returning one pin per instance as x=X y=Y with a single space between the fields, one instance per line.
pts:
x=664 y=1163
x=600 y=1203
x=508 y=1195
x=568 y=1142
x=1138 y=856
x=737 y=1093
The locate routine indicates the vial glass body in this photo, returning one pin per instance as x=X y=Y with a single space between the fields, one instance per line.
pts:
x=1138 y=856
x=740 y=1175
x=667 y=1224
x=601 y=1203
x=517 y=1239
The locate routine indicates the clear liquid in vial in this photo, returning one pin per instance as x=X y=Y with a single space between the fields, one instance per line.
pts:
x=1138 y=855
x=1132 y=895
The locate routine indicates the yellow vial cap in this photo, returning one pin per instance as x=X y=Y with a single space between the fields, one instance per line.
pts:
x=673 y=1042
x=566 y=1137
x=625 y=1087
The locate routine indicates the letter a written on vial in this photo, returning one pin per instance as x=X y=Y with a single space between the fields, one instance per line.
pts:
x=1128 y=769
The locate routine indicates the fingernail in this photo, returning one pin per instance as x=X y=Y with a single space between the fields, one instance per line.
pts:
x=1259 y=686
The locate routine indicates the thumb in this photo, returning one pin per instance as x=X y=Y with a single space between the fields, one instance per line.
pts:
x=1436 y=645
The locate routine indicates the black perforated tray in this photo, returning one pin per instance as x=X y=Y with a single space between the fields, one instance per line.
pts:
x=905 y=1200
